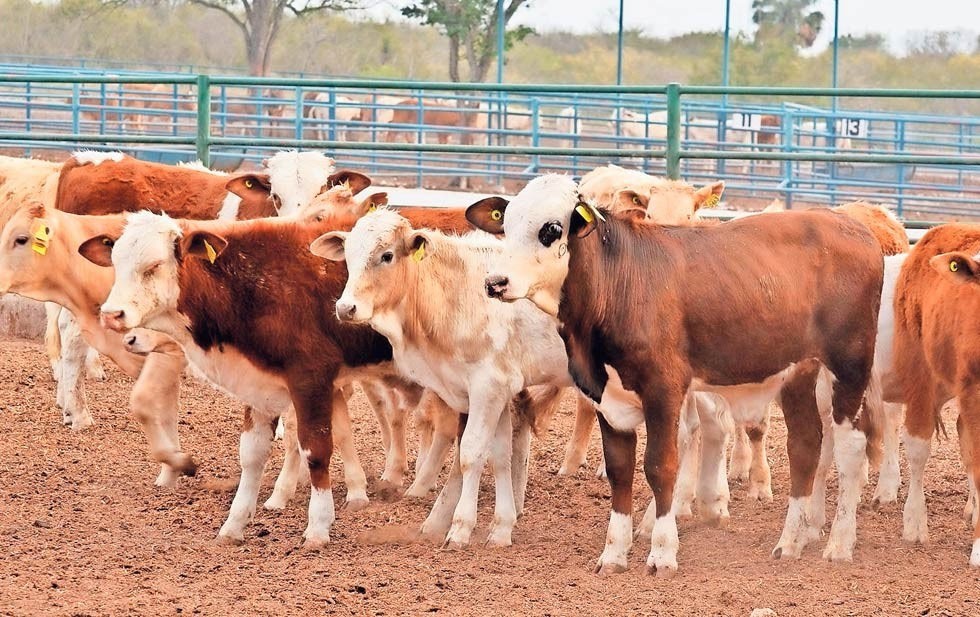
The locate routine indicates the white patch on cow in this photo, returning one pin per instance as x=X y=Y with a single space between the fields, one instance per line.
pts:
x=229 y=207
x=236 y=375
x=849 y=454
x=914 y=517
x=620 y=407
x=197 y=165
x=92 y=157
x=619 y=539
x=749 y=402
x=975 y=554
x=321 y=515
x=663 y=545
x=535 y=271
x=297 y=177
x=797 y=532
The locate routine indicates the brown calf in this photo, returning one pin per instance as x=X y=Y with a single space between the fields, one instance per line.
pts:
x=937 y=300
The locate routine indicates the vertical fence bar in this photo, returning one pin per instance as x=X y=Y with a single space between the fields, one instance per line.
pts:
x=298 y=115
x=673 y=130
x=901 y=168
x=75 y=105
x=203 y=141
x=788 y=121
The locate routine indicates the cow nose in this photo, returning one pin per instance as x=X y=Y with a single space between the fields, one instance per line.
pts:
x=113 y=319
x=346 y=310
x=130 y=340
x=496 y=286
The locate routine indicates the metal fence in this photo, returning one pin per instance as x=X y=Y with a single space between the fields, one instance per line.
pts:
x=432 y=134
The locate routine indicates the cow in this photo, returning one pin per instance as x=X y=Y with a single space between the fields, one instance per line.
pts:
x=639 y=126
x=476 y=356
x=428 y=113
x=647 y=312
x=345 y=111
x=936 y=299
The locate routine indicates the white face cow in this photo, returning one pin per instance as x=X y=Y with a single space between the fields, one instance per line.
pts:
x=535 y=230
x=379 y=251
x=297 y=177
x=145 y=261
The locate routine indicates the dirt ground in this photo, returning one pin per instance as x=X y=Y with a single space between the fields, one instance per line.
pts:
x=84 y=532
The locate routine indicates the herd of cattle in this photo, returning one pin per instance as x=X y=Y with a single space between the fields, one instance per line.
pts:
x=477 y=320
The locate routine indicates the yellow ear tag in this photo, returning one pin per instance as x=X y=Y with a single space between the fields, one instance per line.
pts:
x=496 y=215
x=372 y=208
x=419 y=254
x=953 y=266
x=585 y=212
x=41 y=234
x=212 y=254
x=712 y=200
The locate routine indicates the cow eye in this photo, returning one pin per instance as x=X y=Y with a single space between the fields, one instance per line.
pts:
x=386 y=257
x=549 y=232
x=20 y=240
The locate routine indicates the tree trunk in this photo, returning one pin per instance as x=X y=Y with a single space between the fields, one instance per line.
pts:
x=454 y=58
x=262 y=24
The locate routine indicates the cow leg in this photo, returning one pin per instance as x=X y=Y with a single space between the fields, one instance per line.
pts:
x=520 y=461
x=52 y=336
x=920 y=421
x=803 y=440
x=619 y=452
x=474 y=447
x=713 y=493
x=445 y=428
x=970 y=511
x=314 y=428
x=505 y=509
x=253 y=452
x=760 y=477
x=71 y=383
x=93 y=365
x=343 y=438
x=288 y=478
x=741 y=463
x=154 y=402
x=578 y=446
x=661 y=411
x=889 y=474
x=850 y=453
x=968 y=426
x=440 y=518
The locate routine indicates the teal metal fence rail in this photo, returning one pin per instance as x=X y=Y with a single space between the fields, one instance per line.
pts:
x=207 y=137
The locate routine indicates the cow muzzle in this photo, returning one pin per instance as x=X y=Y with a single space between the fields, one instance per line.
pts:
x=346 y=311
x=496 y=286
x=114 y=320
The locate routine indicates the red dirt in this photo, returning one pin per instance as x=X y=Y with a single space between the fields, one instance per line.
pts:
x=84 y=532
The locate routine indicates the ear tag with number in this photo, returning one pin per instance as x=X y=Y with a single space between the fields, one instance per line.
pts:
x=712 y=200
x=40 y=233
x=419 y=254
x=588 y=212
x=212 y=254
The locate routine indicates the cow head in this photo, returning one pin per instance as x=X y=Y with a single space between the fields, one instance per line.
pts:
x=297 y=177
x=24 y=244
x=535 y=225
x=146 y=257
x=957 y=267
x=340 y=200
x=670 y=202
x=381 y=252
x=254 y=189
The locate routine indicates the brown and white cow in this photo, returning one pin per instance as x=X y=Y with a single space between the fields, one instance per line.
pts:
x=936 y=351
x=648 y=311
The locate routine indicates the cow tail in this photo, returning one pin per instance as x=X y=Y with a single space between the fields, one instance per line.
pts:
x=872 y=419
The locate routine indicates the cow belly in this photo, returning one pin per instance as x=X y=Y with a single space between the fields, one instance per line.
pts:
x=447 y=379
x=232 y=372
x=620 y=407
x=749 y=400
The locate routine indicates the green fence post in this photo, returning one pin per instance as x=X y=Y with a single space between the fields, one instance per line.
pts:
x=203 y=141
x=673 y=130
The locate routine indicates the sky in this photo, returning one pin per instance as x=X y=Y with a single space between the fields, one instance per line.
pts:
x=898 y=20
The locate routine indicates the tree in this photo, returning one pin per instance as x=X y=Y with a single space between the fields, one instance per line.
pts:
x=787 y=19
x=471 y=26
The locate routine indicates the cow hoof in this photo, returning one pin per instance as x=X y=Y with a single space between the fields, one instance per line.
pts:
x=82 y=422
x=837 y=554
x=719 y=521
x=453 y=545
x=356 y=504
x=608 y=568
x=276 y=502
x=315 y=544
x=786 y=552
x=229 y=540
x=760 y=493
x=663 y=571
x=499 y=537
x=185 y=465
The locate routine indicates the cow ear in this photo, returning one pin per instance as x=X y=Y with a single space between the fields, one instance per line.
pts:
x=488 y=214
x=584 y=220
x=248 y=184
x=709 y=196
x=371 y=203
x=354 y=179
x=957 y=267
x=201 y=245
x=418 y=245
x=98 y=250
x=627 y=199
x=330 y=246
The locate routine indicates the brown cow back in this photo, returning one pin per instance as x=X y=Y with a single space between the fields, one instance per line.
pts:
x=887 y=230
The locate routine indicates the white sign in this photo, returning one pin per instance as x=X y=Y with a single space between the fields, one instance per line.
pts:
x=747 y=121
x=852 y=127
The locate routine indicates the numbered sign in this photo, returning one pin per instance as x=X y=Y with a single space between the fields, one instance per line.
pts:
x=747 y=121
x=852 y=127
